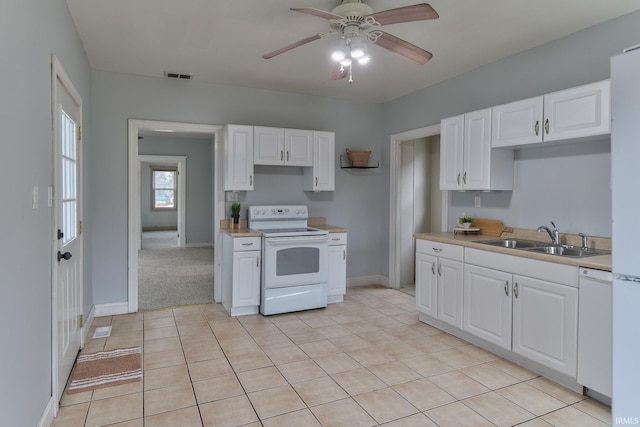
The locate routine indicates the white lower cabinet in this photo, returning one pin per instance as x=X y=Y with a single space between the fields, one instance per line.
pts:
x=545 y=323
x=487 y=304
x=337 y=267
x=241 y=274
x=439 y=281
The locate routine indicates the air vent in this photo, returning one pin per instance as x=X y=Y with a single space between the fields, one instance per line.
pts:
x=179 y=76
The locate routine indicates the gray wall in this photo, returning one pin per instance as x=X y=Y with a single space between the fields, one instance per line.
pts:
x=199 y=197
x=118 y=97
x=569 y=184
x=30 y=31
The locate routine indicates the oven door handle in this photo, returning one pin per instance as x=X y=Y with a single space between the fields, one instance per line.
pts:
x=304 y=239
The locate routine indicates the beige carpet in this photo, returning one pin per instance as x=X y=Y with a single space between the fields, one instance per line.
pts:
x=172 y=277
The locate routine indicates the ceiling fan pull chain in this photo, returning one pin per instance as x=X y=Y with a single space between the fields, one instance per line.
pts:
x=350 y=75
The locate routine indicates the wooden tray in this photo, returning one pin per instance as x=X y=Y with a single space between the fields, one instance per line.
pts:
x=491 y=227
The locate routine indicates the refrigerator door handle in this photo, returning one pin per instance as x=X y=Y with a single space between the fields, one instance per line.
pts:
x=626 y=278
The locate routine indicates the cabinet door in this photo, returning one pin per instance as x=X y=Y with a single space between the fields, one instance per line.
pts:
x=268 y=146
x=246 y=279
x=545 y=323
x=426 y=284
x=451 y=141
x=476 y=149
x=321 y=177
x=578 y=112
x=238 y=156
x=487 y=304
x=450 y=292
x=337 y=270
x=298 y=147
x=517 y=123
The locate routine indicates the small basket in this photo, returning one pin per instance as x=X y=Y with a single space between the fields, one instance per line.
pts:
x=358 y=158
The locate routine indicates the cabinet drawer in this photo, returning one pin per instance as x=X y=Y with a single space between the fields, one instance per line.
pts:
x=337 y=239
x=247 y=244
x=442 y=250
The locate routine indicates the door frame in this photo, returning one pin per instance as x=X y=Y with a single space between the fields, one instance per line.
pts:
x=394 y=197
x=58 y=73
x=134 y=127
x=181 y=163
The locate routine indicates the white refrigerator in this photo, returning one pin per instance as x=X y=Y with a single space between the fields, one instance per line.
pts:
x=625 y=183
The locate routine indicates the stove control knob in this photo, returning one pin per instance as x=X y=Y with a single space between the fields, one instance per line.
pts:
x=262 y=212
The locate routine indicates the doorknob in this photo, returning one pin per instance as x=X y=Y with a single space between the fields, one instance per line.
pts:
x=65 y=256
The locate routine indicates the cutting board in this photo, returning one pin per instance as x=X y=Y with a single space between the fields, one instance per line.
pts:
x=491 y=227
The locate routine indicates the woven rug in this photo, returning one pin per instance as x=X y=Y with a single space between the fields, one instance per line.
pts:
x=106 y=368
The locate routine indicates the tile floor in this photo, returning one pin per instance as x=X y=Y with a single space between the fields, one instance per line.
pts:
x=365 y=362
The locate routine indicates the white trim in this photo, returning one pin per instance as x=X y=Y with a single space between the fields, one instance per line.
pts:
x=394 y=205
x=134 y=126
x=381 y=280
x=49 y=414
x=58 y=73
x=111 y=309
x=199 y=245
x=181 y=162
x=87 y=324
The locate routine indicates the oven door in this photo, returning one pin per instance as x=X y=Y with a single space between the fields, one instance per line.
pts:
x=300 y=260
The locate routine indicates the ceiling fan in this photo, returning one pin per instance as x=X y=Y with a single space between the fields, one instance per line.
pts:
x=356 y=23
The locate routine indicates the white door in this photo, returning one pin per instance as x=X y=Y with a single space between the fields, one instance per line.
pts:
x=476 y=170
x=426 y=284
x=451 y=141
x=298 y=147
x=67 y=271
x=450 y=292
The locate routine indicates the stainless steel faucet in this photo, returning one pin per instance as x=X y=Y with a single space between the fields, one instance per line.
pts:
x=584 y=240
x=555 y=236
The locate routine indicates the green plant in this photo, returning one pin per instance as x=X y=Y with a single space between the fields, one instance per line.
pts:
x=235 y=208
x=464 y=218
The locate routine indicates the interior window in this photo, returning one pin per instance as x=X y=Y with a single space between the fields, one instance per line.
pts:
x=164 y=188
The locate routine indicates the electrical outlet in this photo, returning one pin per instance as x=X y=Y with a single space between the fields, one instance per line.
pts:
x=232 y=196
x=477 y=203
x=34 y=197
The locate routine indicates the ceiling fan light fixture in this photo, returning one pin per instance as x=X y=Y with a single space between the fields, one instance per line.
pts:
x=345 y=62
x=364 y=60
x=358 y=48
x=339 y=52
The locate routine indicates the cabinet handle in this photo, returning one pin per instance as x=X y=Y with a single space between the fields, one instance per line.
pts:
x=537 y=127
x=439 y=269
x=436 y=250
x=506 y=288
x=515 y=290
x=458 y=179
x=433 y=268
x=546 y=126
x=281 y=155
x=247 y=244
x=250 y=179
x=287 y=156
x=316 y=181
x=344 y=254
x=257 y=262
x=464 y=178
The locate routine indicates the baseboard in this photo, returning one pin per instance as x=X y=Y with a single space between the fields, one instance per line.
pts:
x=111 y=309
x=86 y=326
x=353 y=282
x=160 y=228
x=49 y=414
x=198 y=245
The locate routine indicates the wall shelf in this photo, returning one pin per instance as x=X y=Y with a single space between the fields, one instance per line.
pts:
x=372 y=167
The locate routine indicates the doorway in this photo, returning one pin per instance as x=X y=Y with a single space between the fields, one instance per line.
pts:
x=417 y=203
x=134 y=217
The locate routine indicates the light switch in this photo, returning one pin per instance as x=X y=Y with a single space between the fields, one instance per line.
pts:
x=34 y=195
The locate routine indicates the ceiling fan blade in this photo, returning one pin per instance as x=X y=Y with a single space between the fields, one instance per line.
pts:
x=339 y=72
x=403 y=48
x=317 y=12
x=418 y=12
x=291 y=46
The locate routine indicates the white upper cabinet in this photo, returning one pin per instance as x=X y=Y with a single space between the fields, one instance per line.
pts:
x=467 y=161
x=321 y=176
x=238 y=158
x=566 y=115
x=277 y=146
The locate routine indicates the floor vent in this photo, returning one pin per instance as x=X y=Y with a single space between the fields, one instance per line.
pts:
x=102 y=332
x=179 y=76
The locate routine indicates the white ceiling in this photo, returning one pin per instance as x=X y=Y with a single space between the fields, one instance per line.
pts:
x=222 y=41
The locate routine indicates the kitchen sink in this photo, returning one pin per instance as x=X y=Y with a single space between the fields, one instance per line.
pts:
x=545 y=248
x=512 y=243
x=568 y=251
